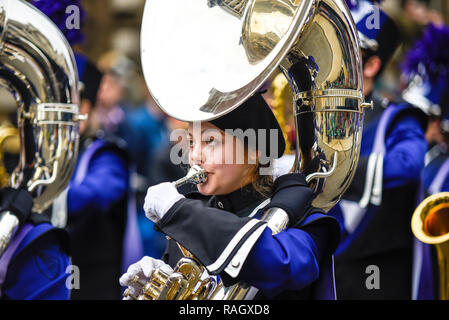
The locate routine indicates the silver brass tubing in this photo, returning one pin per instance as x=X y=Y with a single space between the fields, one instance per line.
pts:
x=9 y=224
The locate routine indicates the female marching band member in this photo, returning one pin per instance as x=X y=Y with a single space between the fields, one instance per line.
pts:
x=221 y=218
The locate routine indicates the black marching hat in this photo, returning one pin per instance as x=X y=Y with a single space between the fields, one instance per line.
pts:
x=255 y=114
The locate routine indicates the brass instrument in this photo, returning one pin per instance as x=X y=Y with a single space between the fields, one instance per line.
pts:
x=430 y=224
x=198 y=69
x=9 y=142
x=186 y=281
x=38 y=69
x=280 y=91
x=182 y=284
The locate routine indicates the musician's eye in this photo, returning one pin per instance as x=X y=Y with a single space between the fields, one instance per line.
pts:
x=191 y=143
x=211 y=141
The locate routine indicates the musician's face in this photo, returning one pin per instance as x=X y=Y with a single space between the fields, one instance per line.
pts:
x=228 y=164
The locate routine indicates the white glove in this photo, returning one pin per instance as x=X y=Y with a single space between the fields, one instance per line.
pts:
x=143 y=269
x=282 y=165
x=159 y=199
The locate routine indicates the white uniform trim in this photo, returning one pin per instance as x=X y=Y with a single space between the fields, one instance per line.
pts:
x=236 y=264
x=365 y=200
x=232 y=244
x=376 y=193
x=234 y=267
x=260 y=206
x=353 y=214
x=59 y=210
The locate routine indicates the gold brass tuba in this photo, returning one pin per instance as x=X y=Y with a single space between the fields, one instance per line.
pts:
x=38 y=69
x=203 y=58
x=430 y=224
x=184 y=283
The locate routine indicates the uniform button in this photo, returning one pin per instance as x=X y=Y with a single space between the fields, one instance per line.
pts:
x=235 y=263
x=220 y=204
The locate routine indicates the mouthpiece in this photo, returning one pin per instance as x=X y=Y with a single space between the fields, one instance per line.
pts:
x=196 y=175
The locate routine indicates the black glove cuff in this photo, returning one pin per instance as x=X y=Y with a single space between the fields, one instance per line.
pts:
x=289 y=180
x=17 y=201
x=292 y=194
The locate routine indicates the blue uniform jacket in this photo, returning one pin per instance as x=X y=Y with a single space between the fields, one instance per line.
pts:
x=286 y=265
x=291 y=260
x=404 y=148
x=106 y=181
x=38 y=268
x=101 y=219
x=430 y=172
x=374 y=214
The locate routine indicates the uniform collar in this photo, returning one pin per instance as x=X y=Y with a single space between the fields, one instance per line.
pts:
x=236 y=201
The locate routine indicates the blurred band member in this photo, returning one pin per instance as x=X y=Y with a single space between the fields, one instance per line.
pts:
x=96 y=208
x=426 y=70
x=374 y=259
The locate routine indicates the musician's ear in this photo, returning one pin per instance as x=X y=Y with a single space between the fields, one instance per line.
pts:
x=372 y=67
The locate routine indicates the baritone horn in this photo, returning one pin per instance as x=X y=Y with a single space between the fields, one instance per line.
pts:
x=201 y=59
x=184 y=283
x=38 y=69
x=430 y=224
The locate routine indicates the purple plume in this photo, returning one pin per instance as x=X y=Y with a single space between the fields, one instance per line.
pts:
x=56 y=11
x=429 y=56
